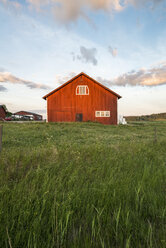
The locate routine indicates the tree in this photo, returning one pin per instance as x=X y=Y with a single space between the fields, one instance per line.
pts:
x=8 y=114
x=4 y=106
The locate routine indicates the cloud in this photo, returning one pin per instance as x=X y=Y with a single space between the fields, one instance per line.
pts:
x=144 y=77
x=66 y=11
x=73 y=56
x=87 y=55
x=2 y=88
x=8 y=4
x=7 y=77
x=70 y=10
x=104 y=81
x=2 y=69
x=113 y=51
x=63 y=79
x=140 y=3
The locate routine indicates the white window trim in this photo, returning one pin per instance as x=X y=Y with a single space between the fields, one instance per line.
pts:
x=106 y=114
x=86 y=88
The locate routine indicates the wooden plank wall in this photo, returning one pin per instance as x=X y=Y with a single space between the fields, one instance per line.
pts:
x=2 y=113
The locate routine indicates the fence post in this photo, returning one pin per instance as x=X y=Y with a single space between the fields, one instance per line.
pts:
x=1 y=128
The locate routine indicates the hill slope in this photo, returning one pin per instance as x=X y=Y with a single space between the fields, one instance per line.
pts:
x=152 y=117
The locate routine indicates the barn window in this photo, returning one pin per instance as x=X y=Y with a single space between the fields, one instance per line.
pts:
x=102 y=114
x=82 y=90
x=97 y=113
x=107 y=113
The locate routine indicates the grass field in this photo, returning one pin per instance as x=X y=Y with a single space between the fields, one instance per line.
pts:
x=82 y=185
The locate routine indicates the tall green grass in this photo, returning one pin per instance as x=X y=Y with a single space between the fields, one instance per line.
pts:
x=83 y=185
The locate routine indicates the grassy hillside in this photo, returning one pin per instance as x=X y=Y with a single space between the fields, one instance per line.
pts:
x=83 y=185
x=153 y=117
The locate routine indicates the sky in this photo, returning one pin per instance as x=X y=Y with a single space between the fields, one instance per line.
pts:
x=120 y=43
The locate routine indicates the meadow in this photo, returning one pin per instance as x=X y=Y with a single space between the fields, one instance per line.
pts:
x=83 y=185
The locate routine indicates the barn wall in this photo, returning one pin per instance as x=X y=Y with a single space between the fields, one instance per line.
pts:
x=64 y=103
x=2 y=113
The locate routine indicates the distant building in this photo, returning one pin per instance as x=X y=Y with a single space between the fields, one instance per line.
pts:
x=2 y=112
x=82 y=98
x=28 y=116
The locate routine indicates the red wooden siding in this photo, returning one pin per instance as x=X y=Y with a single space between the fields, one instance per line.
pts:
x=64 y=104
x=2 y=113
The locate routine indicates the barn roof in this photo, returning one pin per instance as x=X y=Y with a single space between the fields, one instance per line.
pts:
x=80 y=74
x=28 y=113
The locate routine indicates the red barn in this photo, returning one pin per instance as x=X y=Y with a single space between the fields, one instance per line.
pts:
x=2 y=112
x=82 y=99
x=35 y=117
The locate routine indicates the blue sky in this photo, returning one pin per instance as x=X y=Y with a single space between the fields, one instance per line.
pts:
x=122 y=44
